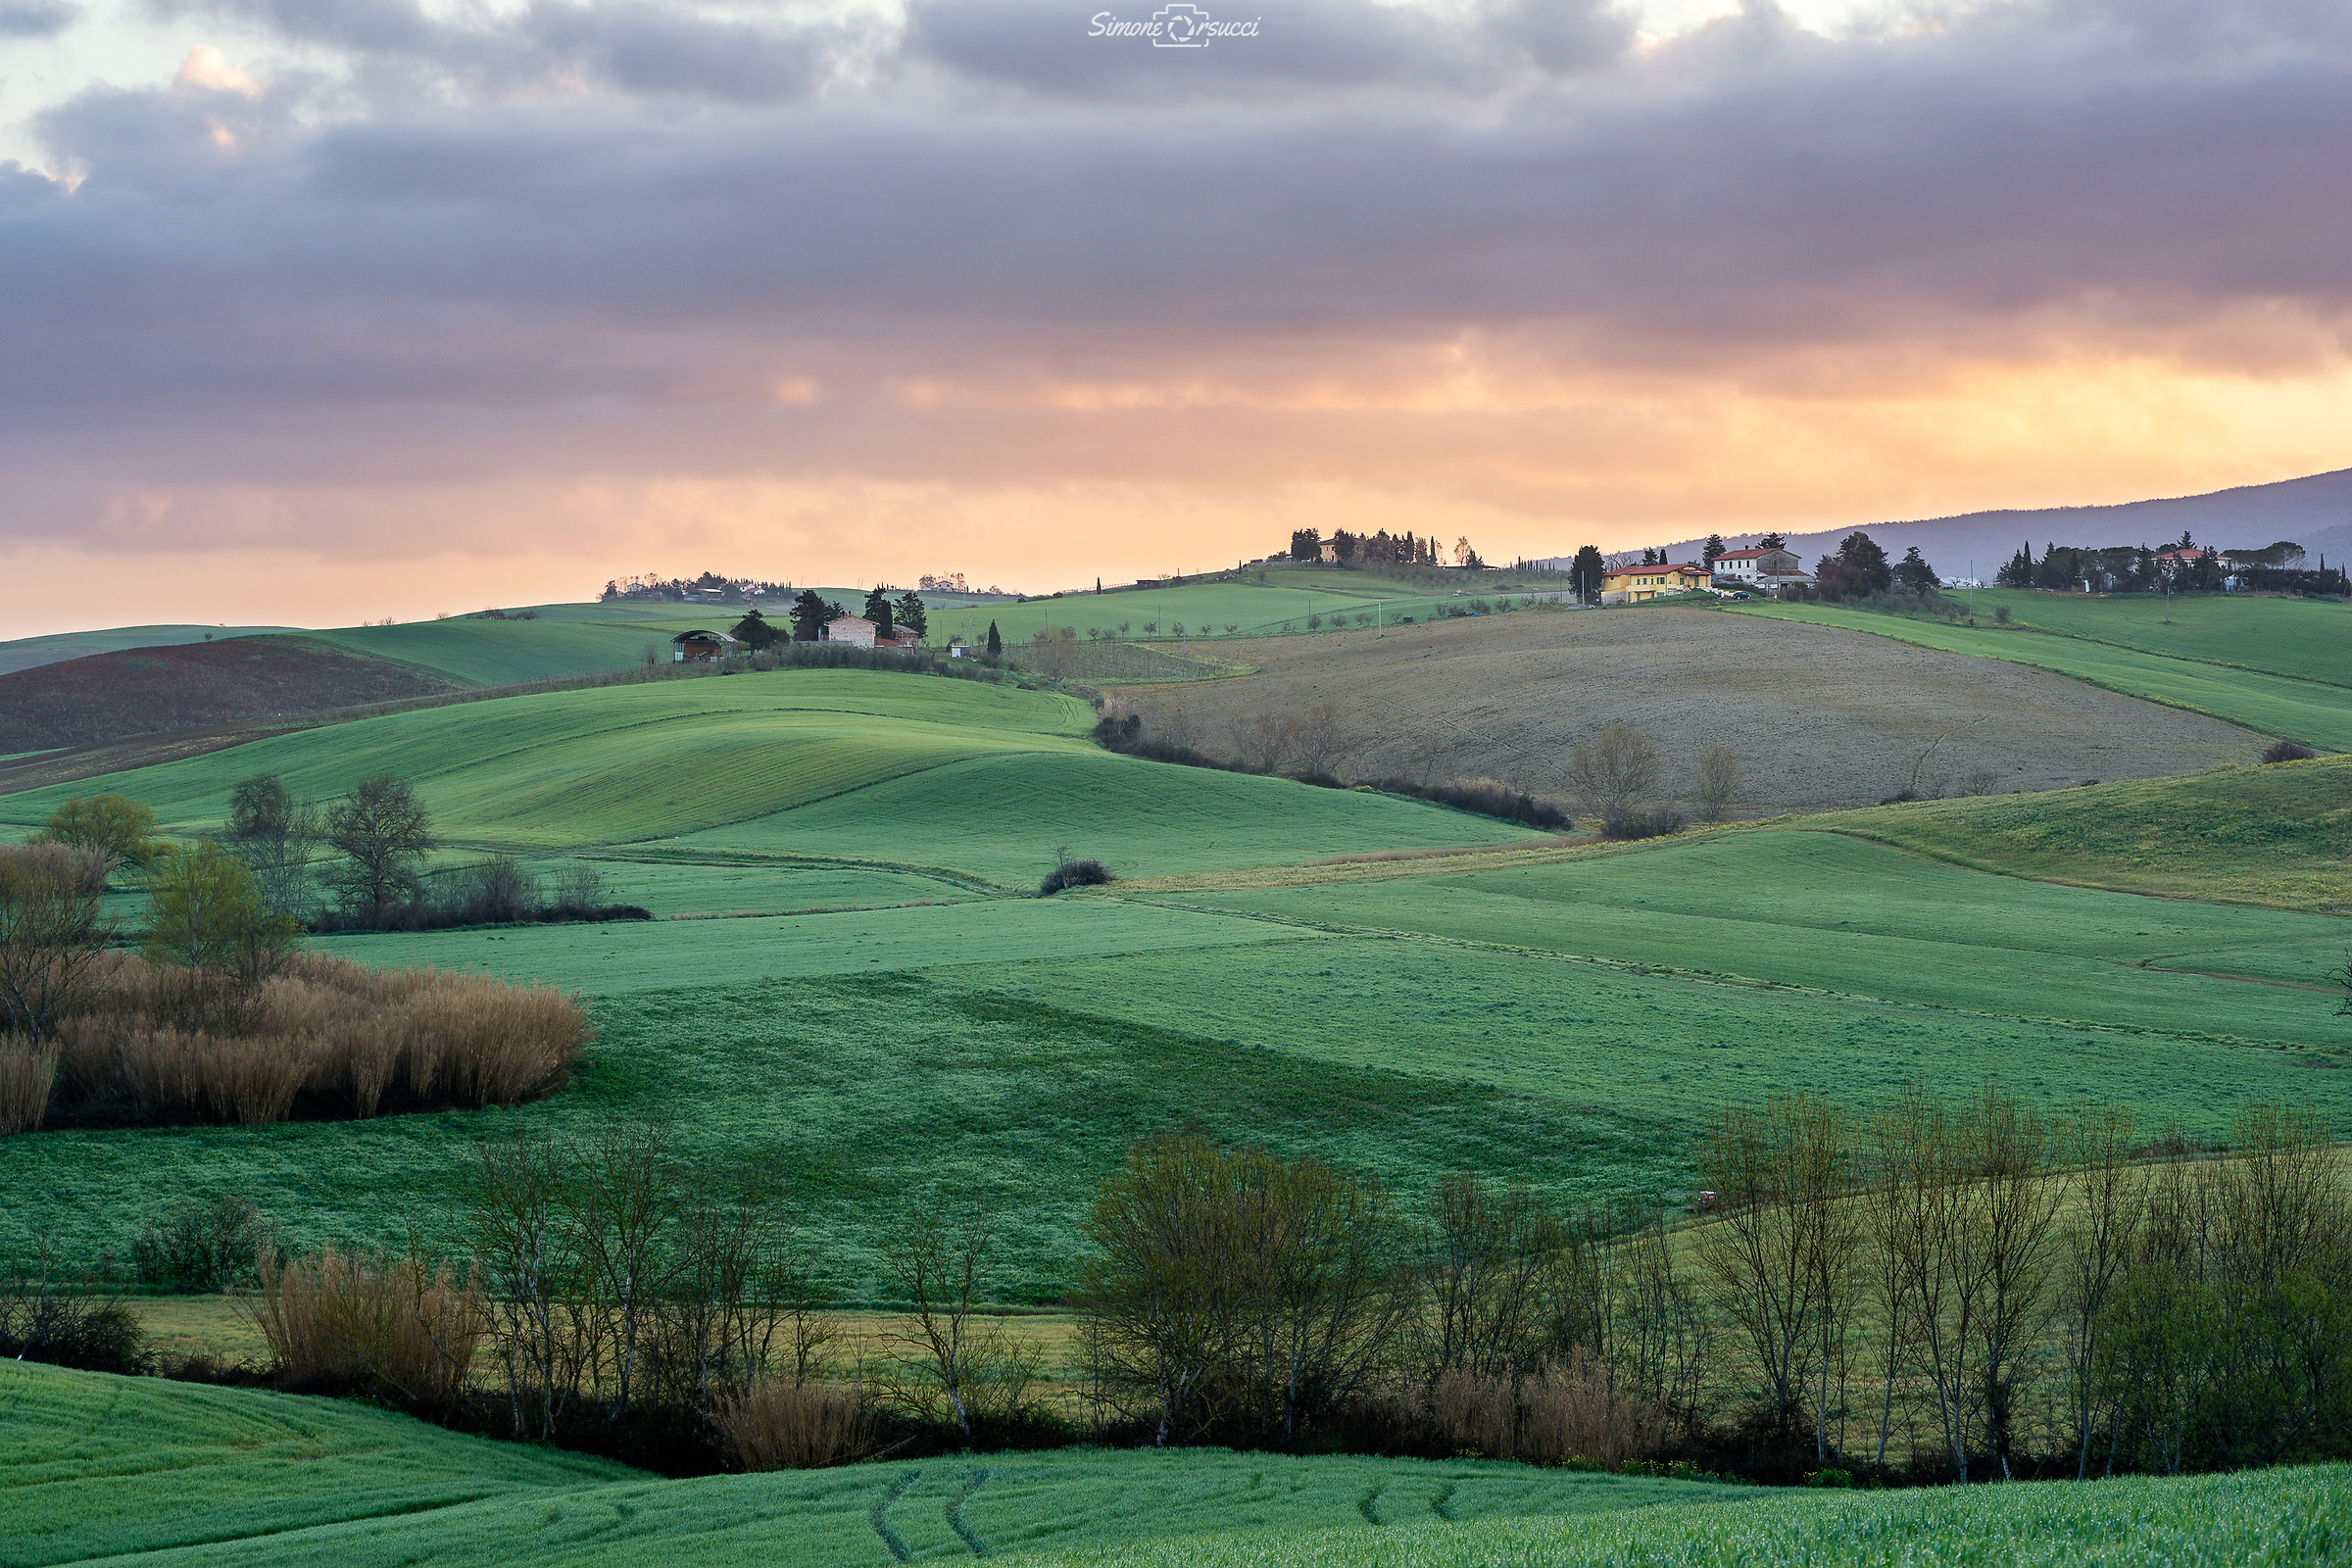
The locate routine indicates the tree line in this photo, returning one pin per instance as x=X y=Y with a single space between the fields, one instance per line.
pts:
x=2182 y=567
x=1930 y=1291
x=1380 y=549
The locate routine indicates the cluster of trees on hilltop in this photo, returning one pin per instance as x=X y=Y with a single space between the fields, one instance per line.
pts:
x=1382 y=548
x=647 y=585
x=2136 y=568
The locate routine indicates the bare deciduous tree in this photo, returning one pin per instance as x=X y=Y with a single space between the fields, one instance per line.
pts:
x=1780 y=1253
x=51 y=931
x=946 y=1356
x=1715 y=782
x=1614 y=771
x=2097 y=1246
x=1493 y=1272
x=1317 y=737
x=1265 y=742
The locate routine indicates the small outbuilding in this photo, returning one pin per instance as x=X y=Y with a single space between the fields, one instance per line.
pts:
x=700 y=647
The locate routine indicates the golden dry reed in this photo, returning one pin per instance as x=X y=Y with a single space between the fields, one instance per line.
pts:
x=799 y=1426
x=345 y=1317
x=1571 y=1409
x=332 y=1037
x=26 y=1077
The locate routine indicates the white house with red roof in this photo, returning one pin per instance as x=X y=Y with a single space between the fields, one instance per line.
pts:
x=1746 y=566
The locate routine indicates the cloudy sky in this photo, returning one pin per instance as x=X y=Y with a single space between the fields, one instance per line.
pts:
x=316 y=309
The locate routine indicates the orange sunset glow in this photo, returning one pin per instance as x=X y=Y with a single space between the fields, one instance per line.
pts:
x=404 y=324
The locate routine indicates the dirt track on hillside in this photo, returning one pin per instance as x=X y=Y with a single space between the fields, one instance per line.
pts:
x=1820 y=716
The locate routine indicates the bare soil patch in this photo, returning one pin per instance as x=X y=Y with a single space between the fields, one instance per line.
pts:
x=81 y=701
x=1819 y=716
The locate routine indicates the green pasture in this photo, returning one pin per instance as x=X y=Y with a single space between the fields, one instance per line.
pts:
x=499 y=653
x=1284 y=602
x=99 y=1466
x=2303 y=709
x=736 y=887
x=2254 y=1519
x=1287 y=598
x=620 y=958
x=1827 y=912
x=111 y=1467
x=102 y=1467
x=1003 y=818
x=1006 y=1051
x=2277 y=834
x=24 y=652
x=2310 y=639
x=883 y=770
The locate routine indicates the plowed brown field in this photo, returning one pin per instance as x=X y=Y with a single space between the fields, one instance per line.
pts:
x=1819 y=716
x=105 y=696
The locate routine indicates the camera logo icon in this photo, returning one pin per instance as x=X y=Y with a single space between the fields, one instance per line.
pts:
x=1181 y=26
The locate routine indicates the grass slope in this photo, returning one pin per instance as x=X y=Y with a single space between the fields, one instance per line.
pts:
x=2310 y=639
x=1825 y=912
x=108 y=1466
x=2307 y=711
x=1530 y=1027
x=1283 y=601
x=2259 y=1519
x=100 y=1466
x=24 y=652
x=498 y=653
x=2279 y=834
x=97 y=1466
x=978 y=777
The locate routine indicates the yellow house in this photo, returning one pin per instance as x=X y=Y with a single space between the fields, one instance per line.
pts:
x=1630 y=585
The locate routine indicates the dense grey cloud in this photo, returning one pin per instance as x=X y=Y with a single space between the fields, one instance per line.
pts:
x=633 y=47
x=1057 y=48
x=610 y=207
x=36 y=18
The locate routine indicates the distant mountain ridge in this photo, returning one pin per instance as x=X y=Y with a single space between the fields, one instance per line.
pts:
x=2316 y=512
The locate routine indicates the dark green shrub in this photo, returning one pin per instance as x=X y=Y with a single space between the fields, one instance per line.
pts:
x=203 y=1247
x=1074 y=874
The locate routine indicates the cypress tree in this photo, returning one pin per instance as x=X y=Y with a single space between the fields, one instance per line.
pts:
x=996 y=643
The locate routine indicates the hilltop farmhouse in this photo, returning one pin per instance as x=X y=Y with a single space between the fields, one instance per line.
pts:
x=1746 y=567
x=1631 y=585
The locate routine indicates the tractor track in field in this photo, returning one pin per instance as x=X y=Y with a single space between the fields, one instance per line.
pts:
x=880 y=1517
x=955 y=1520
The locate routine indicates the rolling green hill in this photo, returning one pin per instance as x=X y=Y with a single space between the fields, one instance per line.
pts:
x=1827 y=912
x=2277 y=834
x=1567 y=1017
x=24 y=652
x=501 y=652
x=2310 y=639
x=2303 y=709
x=1285 y=600
x=96 y=1466
x=976 y=777
x=1572 y=1025
x=102 y=1466
x=2277 y=1517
